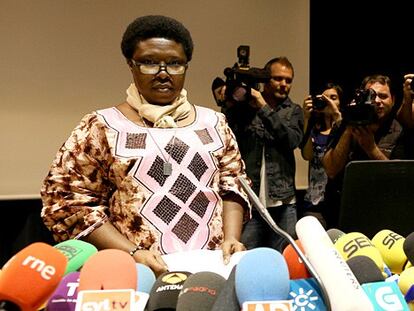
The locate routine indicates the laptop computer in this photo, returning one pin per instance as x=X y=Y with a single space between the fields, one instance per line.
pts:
x=378 y=195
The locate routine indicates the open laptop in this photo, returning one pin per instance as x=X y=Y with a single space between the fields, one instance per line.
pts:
x=378 y=195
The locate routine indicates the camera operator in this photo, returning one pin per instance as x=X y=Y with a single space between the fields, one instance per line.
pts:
x=320 y=113
x=377 y=137
x=268 y=128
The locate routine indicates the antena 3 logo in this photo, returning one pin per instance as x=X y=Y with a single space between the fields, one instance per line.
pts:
x=173 y=281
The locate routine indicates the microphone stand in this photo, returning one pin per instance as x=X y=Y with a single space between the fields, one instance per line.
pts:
x=266 y=216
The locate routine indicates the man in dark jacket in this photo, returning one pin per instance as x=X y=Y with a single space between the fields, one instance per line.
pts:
x=268 y=128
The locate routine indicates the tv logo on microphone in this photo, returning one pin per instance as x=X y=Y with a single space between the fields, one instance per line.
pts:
x=281 y=305
x=385 y=296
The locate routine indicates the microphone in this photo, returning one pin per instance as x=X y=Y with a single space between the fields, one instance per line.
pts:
x=408 y=247
x=65 y=295
x=108 y=269
x=145 y=278
x=390 y=245
x=297 y=269
x=365 y=269
x=334 y=234
x=164 y=292
x=200 y=291
x=306 y=295
x=77 y=252
x=406 y=284
x=345 y=293
x=227 y=298
x=385 y=296
x=356 y=243
x=262 y=275
x=31 y=276
x=264 y=213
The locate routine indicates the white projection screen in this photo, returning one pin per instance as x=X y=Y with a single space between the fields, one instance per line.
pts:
x=61 y=59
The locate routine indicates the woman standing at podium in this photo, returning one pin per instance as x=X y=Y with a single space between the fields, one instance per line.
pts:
x=154 y=174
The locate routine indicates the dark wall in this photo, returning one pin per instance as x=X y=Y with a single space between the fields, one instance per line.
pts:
x=352 y=39
x=20 y=225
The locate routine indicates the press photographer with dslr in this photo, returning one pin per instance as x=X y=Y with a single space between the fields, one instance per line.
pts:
x=268 y=127
x=368 y=131
x=405 y=114
x=321 y=112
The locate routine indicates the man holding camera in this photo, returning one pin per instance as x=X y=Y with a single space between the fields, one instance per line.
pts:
x=268 y=127
x=362 y=135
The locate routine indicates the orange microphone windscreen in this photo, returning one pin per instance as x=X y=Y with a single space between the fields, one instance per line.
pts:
x=108 y=269
x=31 y=276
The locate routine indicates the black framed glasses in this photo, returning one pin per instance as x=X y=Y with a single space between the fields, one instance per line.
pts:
x=154 y=68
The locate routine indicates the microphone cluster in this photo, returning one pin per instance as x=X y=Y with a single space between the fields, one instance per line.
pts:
x=358 y=273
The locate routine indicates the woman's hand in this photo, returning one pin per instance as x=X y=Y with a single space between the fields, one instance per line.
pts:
x=151 y=259
x=229 y=247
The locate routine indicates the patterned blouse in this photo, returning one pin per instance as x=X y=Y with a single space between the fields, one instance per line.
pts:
x=111 y=169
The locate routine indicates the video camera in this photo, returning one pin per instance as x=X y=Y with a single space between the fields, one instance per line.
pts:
x=362 y=109
x=241 y=77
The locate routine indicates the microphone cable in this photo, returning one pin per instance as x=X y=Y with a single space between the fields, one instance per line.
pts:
x=266 y=216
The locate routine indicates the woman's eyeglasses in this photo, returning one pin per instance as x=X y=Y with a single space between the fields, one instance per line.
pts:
x=154 y=68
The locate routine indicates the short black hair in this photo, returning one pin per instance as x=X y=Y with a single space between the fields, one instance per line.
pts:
x=155 y=26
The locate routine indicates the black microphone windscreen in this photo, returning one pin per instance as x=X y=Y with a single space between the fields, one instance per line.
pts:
x=365 y=269
x=408 y=247
x=200 y=291
x=334 y=234
x=227 y=298
x=164 y=292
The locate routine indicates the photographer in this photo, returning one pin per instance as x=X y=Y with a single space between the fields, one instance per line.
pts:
x=268 y=127
x=321 y=112
x=361 y=136
x=405 y=114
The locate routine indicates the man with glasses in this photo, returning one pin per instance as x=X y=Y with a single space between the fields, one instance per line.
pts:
x=268 y=128
x=155 y=174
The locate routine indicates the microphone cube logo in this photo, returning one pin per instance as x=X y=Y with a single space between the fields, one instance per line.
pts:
x=279 y=305
x=305 y=295
x=106 y=300
x=385 y=296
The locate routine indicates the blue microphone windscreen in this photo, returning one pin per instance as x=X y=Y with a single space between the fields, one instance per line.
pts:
x=262 y=275
x=145 y=277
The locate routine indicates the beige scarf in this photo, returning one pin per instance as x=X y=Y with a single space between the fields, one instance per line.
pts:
x=160 y=116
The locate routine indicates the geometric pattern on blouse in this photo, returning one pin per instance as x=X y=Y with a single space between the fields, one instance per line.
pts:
x=166 y=210
x=156 y=171
x=135 y=141
x=197 y=166
x=204 y=136
x=177 y=149
x=199 y=204
x=182 y=188
x=185 y=228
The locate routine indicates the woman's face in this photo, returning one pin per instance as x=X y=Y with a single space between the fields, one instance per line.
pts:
x=160 y=88
x=333 y=95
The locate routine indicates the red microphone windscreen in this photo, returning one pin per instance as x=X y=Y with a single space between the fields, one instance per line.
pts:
x=297 y=269
x=31 y=276
x=108 y=269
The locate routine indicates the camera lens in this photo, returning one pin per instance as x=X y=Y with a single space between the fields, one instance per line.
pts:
x=318 y=103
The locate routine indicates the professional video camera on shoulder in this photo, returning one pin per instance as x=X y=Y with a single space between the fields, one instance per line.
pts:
x=362 y=109
x=241 y=77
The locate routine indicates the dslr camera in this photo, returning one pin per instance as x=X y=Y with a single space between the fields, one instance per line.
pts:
x=241 y=77
x=318 y=103
x=362 y=109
